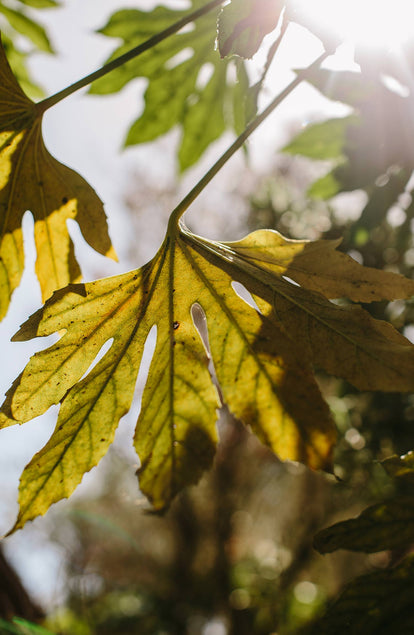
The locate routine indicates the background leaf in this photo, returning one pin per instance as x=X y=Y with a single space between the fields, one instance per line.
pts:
x=368 y=143
x=27 y=27
x=18 y=63
x=183 y=89
x=41 y=4
x=323 y=140
x=243 y=24
x=17 y=22
x=376 y=604
x=388 y=525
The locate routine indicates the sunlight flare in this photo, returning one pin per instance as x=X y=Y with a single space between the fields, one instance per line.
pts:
x=370 y=23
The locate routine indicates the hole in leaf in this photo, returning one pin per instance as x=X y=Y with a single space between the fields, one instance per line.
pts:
x=244 y=294
x=204 y=75
x=179 y=58
x=408 y=332
x=127 y=430
x=147 y=355
x=182 y=5
x=102 y=351
x=291 y=281
x=188 y=28
x=200 y=322
x=231 y=74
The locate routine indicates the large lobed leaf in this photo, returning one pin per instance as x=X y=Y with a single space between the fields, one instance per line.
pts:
x=262 y=359
x=31 y=179
x=193 y=92
x=370 y=143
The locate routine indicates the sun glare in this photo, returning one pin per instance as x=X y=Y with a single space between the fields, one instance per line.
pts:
x=370 y=23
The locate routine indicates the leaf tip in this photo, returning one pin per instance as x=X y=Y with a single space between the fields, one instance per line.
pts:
x=111 y=253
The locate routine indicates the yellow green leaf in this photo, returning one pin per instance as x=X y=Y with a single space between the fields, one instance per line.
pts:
x=263 y=382
x=262 y=361
x=317 y=265
x=31 y=179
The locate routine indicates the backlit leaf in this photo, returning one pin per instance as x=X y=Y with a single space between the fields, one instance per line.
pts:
x=317 y=265
x=322 y=141
x=27 y=27
x=41 y=4
x=188 y=83
x=31 y=179
x=243 y=24
x=374 y=139
x=326 y=187
x=18 y=63
x=262 y=359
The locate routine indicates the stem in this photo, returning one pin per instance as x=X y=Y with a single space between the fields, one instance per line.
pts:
x=237 y=144
x=42 y=106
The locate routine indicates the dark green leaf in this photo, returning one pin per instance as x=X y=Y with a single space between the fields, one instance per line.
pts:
x=400 y=466
x=380 y=603
x=388 y=525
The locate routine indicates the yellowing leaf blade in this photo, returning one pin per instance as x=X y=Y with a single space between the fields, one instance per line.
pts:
x=261 y=380
x=31 y=179
x=92 y=314
x=318 y=266
x=346 y=341
x=86 y=426
x=263 y=361
x=176 y=435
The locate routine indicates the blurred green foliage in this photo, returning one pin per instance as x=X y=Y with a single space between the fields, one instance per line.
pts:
x=18 y=22
x=188 y=84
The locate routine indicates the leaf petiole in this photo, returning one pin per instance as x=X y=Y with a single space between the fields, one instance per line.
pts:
x=47 y=103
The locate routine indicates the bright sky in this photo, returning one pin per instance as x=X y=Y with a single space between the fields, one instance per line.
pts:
x=372 y=23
